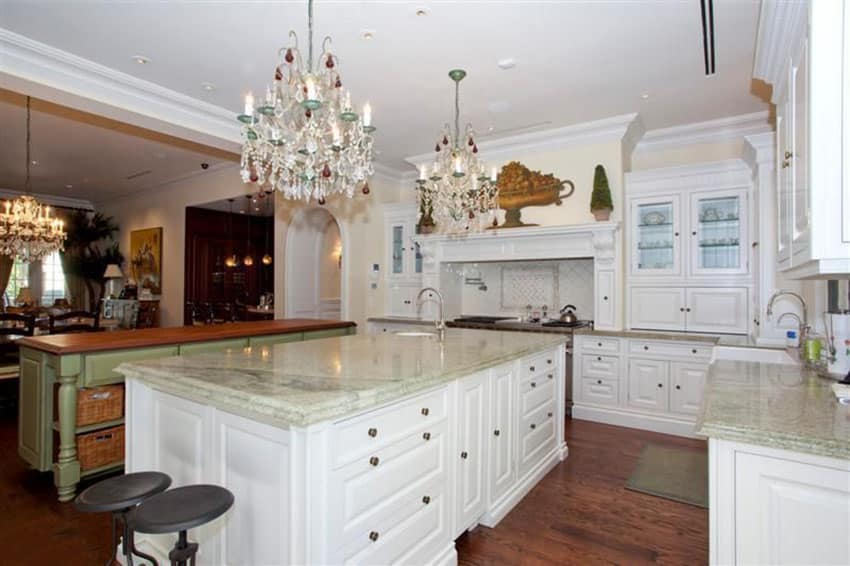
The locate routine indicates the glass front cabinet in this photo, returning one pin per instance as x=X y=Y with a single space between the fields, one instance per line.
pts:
x=718 y=240
x=656 y=242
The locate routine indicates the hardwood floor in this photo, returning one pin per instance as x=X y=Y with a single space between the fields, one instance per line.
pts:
x=579 y=514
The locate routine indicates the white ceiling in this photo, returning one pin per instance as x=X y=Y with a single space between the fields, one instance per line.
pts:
x=576 y=61
x=98 y=158
x=242 y=204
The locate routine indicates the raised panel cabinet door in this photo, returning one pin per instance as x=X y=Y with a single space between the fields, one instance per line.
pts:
x=686 y=385
x=789 y=512
x=719 y=238
x=470 y=455
x=656 y=236
x=717 y=309
x=605 y=310
x=801 y=233
x=397 y=251
x=402 y=300
x=783 y=195
x=501 y=449
x=657 y=308
x=648 y=383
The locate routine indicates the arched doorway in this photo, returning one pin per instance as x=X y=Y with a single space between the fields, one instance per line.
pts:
x=315 y=280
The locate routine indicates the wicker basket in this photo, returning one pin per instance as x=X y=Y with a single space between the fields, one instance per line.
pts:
x=99 y=448
x=100 y=404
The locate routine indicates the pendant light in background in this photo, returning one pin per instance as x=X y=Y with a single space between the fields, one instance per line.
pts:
x=267 y=259
x=231 y=260
x=248 y=260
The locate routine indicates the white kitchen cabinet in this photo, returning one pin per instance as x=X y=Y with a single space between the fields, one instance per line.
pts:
x=721 y=310
x=656 y=235
x=686 y=384
x=647 y=384
x=501 y=469
x=658 y=308
x=605 y=307
x=470 y=452
x=403 y=257
x=401 y=299
x=718 y=237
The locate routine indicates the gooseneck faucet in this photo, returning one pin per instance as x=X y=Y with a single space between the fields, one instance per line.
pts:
x=804 y=324
x=439 y=323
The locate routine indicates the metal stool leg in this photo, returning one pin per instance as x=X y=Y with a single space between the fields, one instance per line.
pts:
x=183 y=551
x=114 y=546
x=127 y=539
x=130 y=540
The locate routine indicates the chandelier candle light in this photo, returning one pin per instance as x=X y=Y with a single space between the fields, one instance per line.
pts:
x=304 y=138
x=26 y=229
x=458 y=194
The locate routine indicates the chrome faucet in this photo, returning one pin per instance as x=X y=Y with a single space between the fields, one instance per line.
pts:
x=804 y=323
x=439 y=322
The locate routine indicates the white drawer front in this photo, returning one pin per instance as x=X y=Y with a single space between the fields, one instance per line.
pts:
x=537 y=436
x=665 y=350
x=368 y=433
x=538 y=364
x=379 y=485
x=590 y=343
x=535 y=392
x=600 y=391
x=597 y=365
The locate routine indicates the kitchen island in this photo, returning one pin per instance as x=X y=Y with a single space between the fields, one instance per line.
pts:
x=56 y=368
x=362 y=449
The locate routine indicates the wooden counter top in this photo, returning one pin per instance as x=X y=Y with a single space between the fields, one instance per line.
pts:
x=122 y=339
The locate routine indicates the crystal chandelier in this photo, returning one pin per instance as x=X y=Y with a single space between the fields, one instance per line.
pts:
x=457 y=195
x=26 y=229
x=304 y=138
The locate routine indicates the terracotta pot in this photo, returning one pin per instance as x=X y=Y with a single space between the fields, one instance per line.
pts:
x=601 y=214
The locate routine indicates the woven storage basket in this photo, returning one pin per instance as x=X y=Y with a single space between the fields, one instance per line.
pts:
x=99 y=448
x=100 y=404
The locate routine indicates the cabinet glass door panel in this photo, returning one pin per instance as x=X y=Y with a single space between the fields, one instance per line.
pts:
x=655 y=242
x=398 y=250
x=417 y=258
x=717 y=234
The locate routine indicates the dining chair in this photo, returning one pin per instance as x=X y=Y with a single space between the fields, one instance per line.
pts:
x=76 y=322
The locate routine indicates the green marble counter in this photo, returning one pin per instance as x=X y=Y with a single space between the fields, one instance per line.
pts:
x=775 y=405
x=298 y=384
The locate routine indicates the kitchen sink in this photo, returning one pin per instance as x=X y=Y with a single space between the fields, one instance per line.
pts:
x=763 y=355
x=416 y=334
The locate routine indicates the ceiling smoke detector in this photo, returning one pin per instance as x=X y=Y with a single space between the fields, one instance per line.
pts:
x=505 y=64
x=141 y=59
x=367 y=34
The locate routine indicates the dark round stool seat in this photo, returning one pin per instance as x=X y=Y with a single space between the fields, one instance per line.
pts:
x=122 y=492
x=182 y=508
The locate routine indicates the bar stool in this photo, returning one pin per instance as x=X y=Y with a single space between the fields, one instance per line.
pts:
x=120 y=495
x=179 y=510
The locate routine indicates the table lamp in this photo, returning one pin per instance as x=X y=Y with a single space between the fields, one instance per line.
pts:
x=112 y=275
x=24 y=297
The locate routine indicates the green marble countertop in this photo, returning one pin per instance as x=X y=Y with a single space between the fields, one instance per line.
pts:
x=302 y=383
x=714 y=339
x=775 y=405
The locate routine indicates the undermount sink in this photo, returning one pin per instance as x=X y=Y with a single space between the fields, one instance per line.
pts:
x=416 y=334
x=763 y=355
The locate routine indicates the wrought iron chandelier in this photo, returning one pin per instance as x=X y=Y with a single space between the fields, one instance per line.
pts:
x=26 y=229
x=304 y=138
x=457 y=194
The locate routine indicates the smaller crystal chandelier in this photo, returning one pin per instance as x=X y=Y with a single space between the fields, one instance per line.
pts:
x=304 y=138
x=232 y=260
x=457 y=194
x=26 y=229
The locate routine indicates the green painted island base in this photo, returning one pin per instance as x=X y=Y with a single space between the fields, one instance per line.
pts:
x=42 y=370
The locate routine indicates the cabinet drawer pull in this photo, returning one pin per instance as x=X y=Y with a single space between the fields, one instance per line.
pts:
x=675 y=233
x=598 y=358
x=533 y=426
x=497 y=432
x=373 y=536
x=464 y=455
x=533 y=385
x=660 y=385
x=549 y=362
x=688 y=309
x=599 y=344
x=426 y=500
x=599 y=381
x=694 y=351
x=678 y=387
x=646 y=347
x=605 y=298
x=374 y=460
x=373 y=432
x=531 y=368
x=425 y=411
x=550 y=376
x=549 y=414
x=682 y=309
x=426 y=435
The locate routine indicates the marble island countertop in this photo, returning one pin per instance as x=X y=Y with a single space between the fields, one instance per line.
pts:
x=714 y=339
x=302 y=383
x=776 y=405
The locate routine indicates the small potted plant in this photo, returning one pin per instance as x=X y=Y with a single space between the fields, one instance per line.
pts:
x=600 y=201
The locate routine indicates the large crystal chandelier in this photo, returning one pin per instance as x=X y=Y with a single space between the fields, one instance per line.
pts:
x=457 y=194
x=26 y=229
x=304 y=138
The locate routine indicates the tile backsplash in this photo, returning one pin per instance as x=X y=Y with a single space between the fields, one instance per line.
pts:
x=504 y=288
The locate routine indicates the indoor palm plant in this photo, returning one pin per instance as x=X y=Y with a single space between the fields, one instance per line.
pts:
x=89 y=248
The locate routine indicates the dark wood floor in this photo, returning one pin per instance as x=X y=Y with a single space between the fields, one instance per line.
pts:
x=579 y=514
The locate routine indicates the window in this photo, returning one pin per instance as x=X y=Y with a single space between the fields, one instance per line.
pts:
x=19 y=278
x=52 y=279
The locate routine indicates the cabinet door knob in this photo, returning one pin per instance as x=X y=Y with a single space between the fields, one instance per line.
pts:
x=374 y=460
x=549 y=414
x=533 y=385
x=426 y=500
x=425 y=411
x=531 y=368
x=694 y=351
x=599 y=381
x=497 y=432
x=598 y=358
x=549 y=362
x=646 y=347
x=599 y=344
x=675 y=233
x=373 y=536
x=660 y=385
x=682 y=309
x=426 y=435
x=464 y=455
x=550 y=376
x=678 y=387
x=688 y=309
x=533 y=426
x=605 y=298
x=788 y=155
x=693 y=233
x=373 y=432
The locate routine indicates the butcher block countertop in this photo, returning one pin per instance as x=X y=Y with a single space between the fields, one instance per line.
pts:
x=78 y=343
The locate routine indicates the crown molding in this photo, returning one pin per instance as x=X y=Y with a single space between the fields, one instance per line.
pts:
x=711 y=131
x=760 y=150
x=502 y=149
x=52 y=200
x=715 y=174
x=39 y=69
x=782 y=26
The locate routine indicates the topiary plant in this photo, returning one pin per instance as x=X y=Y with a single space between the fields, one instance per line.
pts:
x=601 y=204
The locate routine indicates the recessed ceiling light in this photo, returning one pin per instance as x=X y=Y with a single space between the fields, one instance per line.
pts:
x=141 y=59
x=241 y=212
x=367 y=34
x=34 y=162
x=420 y=11
x=507 y=63
x=69 y=186
x=491 y=128
x=209 y=87
x=645 y=95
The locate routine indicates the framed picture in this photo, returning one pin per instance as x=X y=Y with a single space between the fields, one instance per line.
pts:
x=146 y=259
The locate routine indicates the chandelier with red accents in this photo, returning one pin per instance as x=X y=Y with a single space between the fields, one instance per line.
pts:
x=456 y=193
x=304 y=138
